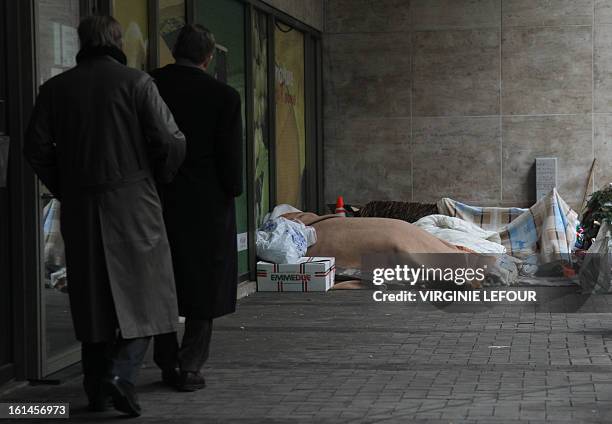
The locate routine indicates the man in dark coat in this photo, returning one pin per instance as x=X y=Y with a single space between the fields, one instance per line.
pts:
x=199 y=203
x=99 y=137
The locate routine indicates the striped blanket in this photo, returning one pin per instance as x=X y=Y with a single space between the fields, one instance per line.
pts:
x=547 y=229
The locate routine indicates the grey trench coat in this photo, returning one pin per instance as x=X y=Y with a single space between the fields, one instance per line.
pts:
x=99 y=138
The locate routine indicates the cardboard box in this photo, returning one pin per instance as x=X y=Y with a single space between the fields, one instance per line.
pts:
x=309 y=275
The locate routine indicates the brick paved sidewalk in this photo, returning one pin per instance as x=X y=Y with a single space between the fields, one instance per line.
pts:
x=341 y=358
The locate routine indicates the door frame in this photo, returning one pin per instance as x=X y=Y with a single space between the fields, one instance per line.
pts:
x=26 y=270
x=7 y=367
x=71 y=355
x=23 y=192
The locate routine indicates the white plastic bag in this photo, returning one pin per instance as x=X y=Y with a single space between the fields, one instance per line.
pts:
x=279 y=210
x=596 y=270
x=310 y=233
x=282 y=241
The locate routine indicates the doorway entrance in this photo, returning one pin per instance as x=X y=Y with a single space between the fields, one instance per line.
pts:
x=56 y=44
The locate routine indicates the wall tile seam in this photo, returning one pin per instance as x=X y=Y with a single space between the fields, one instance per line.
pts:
x=457 y=28
x=325 y=24
x=382 y=118
x=499 y=115
x=593 y=99
x=411 y=109
x=501 y=102
x=324 y=15
x=495 y=115
x=483 y=28
x=366 y=32
x=479 y=28
x=512 y=27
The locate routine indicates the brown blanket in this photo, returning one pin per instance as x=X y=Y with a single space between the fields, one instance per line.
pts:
x=350 y=239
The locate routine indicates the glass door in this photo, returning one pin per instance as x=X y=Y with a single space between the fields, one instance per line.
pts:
x=226 y=20
x=56 y=47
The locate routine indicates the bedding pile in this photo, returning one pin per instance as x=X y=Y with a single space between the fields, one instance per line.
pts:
x=458 y=232
x=513 y=241
x=544 y=233
x=351 y=240
x=596 y=270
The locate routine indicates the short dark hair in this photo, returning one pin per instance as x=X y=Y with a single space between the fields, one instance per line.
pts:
x=100 y=31
x=194 y=43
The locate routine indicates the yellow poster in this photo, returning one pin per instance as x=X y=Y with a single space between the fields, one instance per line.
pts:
x=290 y=124
x=260 y=116
x=134 y=19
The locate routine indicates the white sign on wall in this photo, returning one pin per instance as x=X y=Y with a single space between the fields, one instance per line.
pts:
x=546 y=176
x=243 y=241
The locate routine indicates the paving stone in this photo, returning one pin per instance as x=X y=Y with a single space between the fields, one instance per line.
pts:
x=340 y=358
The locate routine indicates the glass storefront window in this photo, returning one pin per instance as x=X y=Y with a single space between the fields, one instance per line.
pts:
x=57 y=41
x=260 y=115
x=290 y=143
x=225 y=19
x=171 y=20
x=133 y=15
x=57 y=44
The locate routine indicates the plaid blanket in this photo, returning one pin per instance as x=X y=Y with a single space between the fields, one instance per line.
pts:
x=547 y=229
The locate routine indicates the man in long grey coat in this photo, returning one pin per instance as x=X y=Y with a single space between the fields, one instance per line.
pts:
x=99 y=138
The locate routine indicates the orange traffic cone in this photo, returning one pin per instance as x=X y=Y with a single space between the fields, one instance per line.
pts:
x=340 y=211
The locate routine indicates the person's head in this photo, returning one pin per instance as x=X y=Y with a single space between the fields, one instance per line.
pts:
x=100 y=31
x=196 y=44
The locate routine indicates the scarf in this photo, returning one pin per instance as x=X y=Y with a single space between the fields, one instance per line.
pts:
x=87 y=53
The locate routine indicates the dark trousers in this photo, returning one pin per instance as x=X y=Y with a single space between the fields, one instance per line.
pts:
x=194 y=349
x=122 y=358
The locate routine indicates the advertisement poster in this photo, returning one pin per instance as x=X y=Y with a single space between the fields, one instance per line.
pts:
x=171 y=20
x=290 y=127
x=134 y=19
x=260 y=117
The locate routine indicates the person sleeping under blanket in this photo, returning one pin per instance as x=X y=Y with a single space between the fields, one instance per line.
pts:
x=382 y=241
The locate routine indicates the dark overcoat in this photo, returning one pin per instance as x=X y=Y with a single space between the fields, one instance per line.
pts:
x=99 y=136
x=199 y=203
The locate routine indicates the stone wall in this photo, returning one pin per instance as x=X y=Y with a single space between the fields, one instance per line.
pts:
x=433 y=98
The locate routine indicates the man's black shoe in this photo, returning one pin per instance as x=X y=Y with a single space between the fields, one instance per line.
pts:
x=123 y=394
x=98 y=400
x=100 y=403
x=191 y=381
x=170 y=377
